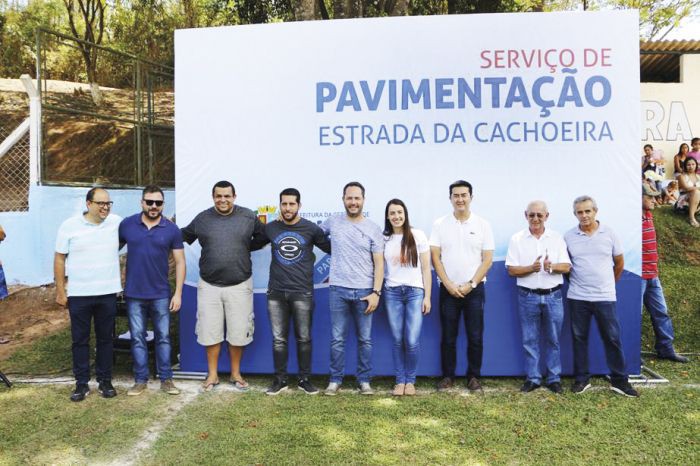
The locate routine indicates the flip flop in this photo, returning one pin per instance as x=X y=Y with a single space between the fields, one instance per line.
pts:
x=209 y=386
x=240 y=385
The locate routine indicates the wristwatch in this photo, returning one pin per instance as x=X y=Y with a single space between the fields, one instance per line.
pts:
x=377 y=292
x=472 y=283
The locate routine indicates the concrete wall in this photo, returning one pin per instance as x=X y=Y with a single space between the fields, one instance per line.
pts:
x=671 y=111
x=27 y=253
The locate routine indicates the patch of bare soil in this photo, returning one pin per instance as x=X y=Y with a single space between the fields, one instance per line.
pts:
x=27 y=315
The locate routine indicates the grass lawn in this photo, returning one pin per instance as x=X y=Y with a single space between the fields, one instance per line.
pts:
x=39 y=424
x=495 y=428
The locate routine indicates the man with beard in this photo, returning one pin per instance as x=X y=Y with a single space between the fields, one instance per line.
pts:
x=356 y=276
x=227 y=234
x=150 y=238
x=291 y=287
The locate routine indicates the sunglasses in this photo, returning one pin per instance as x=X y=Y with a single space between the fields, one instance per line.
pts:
x=151 y=202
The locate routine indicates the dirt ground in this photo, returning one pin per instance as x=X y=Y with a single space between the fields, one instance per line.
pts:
x=28 y=314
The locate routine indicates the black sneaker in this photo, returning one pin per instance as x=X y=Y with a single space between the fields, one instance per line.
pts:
x=675 y=357
x=624 y=388
x=529 y=386
x=307 y=387
x=81 y=391
x=580 y=387
x=277 y=387
x=106 y=389
x=555 y=387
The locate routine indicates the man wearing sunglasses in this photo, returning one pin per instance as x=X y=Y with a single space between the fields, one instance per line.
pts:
x=150 y=238
x=537 y=257
x=87 y=250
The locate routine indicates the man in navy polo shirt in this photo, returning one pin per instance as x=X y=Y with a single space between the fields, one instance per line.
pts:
x=150 y=238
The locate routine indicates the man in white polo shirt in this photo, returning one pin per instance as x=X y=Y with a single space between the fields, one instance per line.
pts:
x=596 y=264
x=537 y=257
x=87 y=250
x=461 y=246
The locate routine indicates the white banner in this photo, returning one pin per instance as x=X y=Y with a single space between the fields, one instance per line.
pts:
x=523 y=106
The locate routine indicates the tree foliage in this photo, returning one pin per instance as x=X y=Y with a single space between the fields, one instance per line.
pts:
x=145 y=27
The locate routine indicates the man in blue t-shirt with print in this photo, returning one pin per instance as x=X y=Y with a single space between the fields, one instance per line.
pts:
x=356 y=276
x=150 y=238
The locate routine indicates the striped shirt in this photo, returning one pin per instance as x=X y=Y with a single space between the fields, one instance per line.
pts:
x=650 y=256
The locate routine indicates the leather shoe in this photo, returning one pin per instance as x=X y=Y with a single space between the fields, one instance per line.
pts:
x=473 y=384
x=445 y=384
x=555 y=387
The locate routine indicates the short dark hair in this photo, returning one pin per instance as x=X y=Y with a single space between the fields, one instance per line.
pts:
x=694 y=140
x=649 y=146
x=152 y=188
x=461 y=184
x=223 y=184
x=355 y=184
x=91 y=194
x=291 y=192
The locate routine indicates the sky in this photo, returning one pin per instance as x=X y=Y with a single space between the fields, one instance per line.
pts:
x=689 y=29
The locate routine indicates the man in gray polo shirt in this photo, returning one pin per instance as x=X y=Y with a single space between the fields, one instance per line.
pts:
x=227 y=233
x=357 y=272
x=596 y=264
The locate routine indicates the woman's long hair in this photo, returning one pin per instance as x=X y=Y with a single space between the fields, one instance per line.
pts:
x=409 y=251
x=680 y=149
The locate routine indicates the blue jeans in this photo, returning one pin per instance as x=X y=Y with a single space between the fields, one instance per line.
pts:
x=609 y=329
x=472 y=308
x=404 y=308
x=281 y=305
x=346 y=304
x=139 y=311
x=654 y=301
x=546 y=313
x=82 y=310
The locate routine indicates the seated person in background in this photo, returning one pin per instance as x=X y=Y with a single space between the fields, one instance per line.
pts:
x=654 y=162
x=649 y=186
x=679 y=159
x=669 y=195
x=695 y=149
x=689 y=184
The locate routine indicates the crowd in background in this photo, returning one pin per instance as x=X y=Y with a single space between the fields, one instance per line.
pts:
x=683 y=190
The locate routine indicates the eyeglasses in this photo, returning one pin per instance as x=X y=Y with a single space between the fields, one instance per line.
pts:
x=103 y=203
x=533 y=215
x=151 y=202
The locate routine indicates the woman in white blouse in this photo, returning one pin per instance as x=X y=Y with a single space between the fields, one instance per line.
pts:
x=406 y=291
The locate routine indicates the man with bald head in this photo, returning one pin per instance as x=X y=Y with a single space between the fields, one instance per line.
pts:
x=87 y=251
x=537 y=257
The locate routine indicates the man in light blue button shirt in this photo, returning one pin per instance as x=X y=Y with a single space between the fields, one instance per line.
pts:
x=596 y=264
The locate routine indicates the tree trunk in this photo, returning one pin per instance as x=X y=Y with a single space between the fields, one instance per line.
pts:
x=305 y=10
x=347 y=9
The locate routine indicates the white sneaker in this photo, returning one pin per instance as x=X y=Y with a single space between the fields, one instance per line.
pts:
x=365 y=389
x=332 y=389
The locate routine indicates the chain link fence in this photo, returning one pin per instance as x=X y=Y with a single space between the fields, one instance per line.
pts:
x=108 y=123
x=14 y=164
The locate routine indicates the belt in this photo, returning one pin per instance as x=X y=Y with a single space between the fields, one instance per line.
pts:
x=540 y=291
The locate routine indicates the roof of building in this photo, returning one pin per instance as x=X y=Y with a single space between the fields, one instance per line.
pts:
x=659 y=61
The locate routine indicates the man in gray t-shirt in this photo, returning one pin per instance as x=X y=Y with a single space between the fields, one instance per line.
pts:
x=357 y=272
x=227 y=233
x=596 y=264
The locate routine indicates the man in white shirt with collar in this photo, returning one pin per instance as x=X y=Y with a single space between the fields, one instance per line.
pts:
x=87 y=250
x=537 y=257
x=461 y=246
